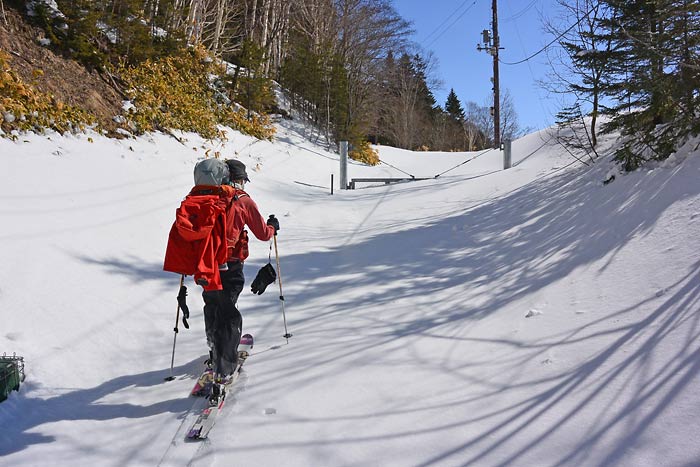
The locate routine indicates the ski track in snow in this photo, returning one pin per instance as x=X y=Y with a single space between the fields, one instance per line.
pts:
x=198 y=452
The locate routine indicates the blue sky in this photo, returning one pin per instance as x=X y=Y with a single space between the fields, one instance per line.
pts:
x=451 y=29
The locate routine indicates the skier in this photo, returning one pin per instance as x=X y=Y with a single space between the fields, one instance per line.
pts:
x=222 y=319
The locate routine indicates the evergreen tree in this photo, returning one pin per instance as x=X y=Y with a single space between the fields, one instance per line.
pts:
x=408 y=106
x=582 y=72
x=251 y=87
x=654 y=78
x=453 y=107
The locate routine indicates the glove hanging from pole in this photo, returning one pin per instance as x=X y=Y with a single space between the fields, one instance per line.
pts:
x=266 y=276
x=182 y=301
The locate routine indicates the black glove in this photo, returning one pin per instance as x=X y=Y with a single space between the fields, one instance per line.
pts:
x=265 y=277
x=182 y=301
x=272 y=220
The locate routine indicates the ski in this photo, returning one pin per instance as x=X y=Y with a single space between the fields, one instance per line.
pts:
x=216 y=393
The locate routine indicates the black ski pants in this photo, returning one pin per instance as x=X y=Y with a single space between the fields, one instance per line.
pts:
x=222 y=320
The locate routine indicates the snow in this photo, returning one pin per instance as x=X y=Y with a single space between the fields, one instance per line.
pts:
x=111 y=33
x=128 y=106
x=50 y=6
x=408 y=304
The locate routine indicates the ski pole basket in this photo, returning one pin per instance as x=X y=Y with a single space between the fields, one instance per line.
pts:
x=11 y=374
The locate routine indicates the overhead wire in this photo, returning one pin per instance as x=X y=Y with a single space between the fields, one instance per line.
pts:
x=529 y=66
x=554 y=40
x=630 y=36
x=520 y=13
x=451 y=24
x=445 y=21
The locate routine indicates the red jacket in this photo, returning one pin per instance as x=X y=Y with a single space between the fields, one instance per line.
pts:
x=208 y=231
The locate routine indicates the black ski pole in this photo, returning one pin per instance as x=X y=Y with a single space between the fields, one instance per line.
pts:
x=177 y=320
x=287 y=335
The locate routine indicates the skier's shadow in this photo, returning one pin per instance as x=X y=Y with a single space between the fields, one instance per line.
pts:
x=22 y=415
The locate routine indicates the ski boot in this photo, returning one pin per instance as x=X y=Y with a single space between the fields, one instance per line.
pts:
x=218 y=389
x=245 y=346
x=209 y=362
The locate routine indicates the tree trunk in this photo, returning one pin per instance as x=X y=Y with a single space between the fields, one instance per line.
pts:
x=252 y=19
x=218 y=26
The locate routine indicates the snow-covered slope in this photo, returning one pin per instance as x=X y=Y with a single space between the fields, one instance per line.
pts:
x=530 y=316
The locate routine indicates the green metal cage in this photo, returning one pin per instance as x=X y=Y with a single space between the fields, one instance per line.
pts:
x=11 y=374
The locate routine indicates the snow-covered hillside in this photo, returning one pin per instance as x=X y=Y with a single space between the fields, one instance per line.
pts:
x=530 y=316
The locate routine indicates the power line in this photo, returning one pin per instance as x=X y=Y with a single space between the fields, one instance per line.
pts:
x=519 y=14
x=451 y=24
x=554 y=40
x=629 y=36
x=445 y=21
x=545 y=112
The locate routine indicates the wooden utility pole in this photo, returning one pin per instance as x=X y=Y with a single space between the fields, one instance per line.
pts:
x=491 y=44
x=496 y=92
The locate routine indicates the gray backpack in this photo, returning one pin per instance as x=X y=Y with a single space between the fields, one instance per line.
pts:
x=211 y=172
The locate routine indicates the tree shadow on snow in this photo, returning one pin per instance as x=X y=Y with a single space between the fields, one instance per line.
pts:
x=25 y=415
x=622 y=384
x=361 y=298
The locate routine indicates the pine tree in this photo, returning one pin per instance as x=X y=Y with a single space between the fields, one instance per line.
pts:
x=453 y=107
x=581 y=70
x=654 y=76
x=252 y=88
x=408 y=105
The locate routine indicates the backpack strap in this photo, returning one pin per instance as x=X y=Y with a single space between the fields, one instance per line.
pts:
x=203 y=190
x=223 y=191
x=238 y=194
x=235 y=194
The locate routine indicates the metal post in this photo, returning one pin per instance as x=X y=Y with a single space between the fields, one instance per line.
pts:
x=507 y=154
x=343 y=165
x=331 y=183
